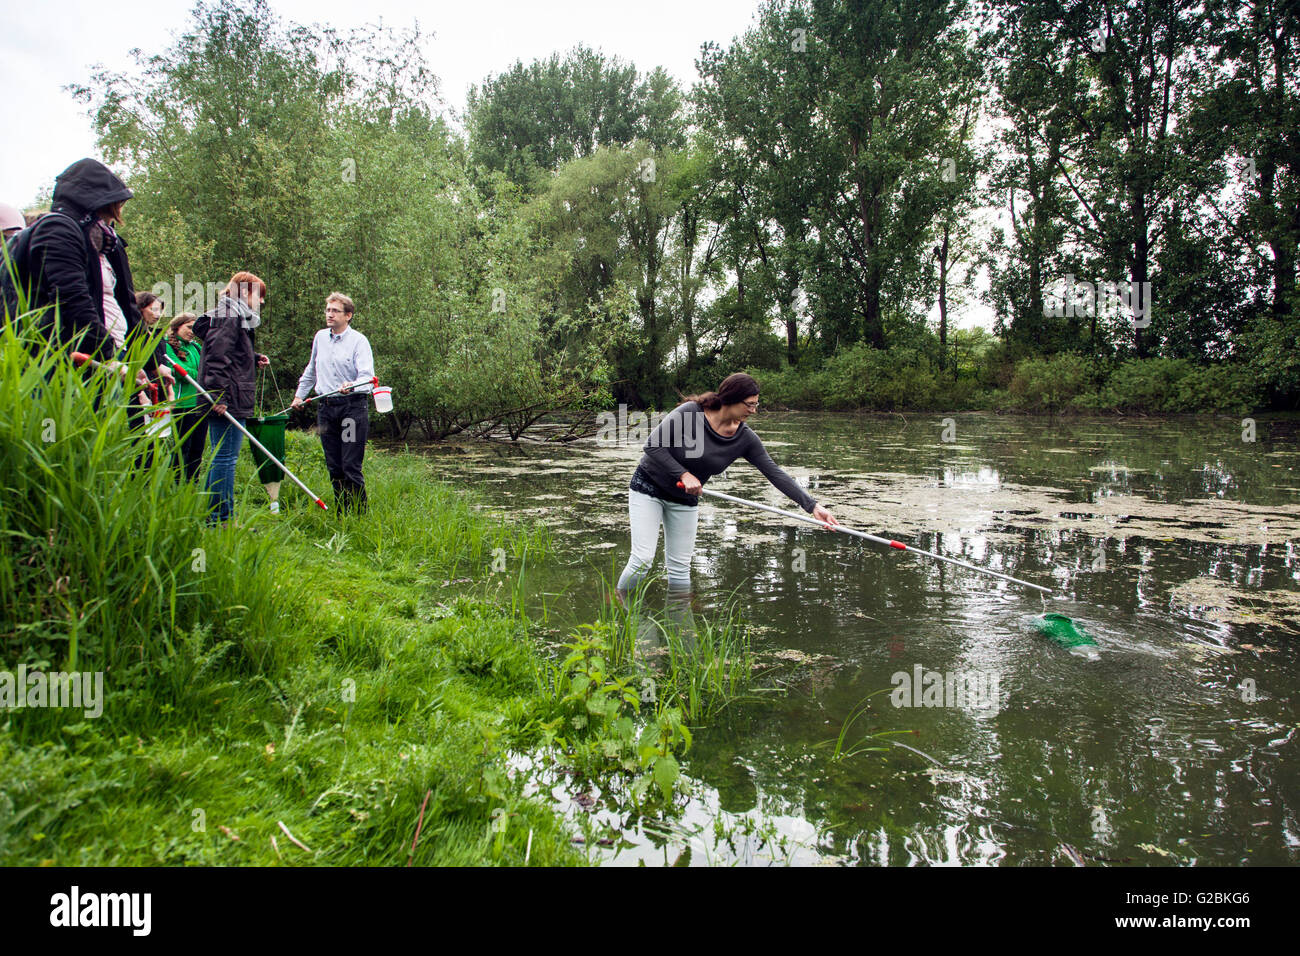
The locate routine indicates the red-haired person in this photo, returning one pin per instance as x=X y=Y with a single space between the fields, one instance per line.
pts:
x=228 y=369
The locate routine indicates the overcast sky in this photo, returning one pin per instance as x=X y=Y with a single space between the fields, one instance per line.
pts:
x=46 y=46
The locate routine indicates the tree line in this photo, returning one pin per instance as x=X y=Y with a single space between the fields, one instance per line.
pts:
x=1118 y=182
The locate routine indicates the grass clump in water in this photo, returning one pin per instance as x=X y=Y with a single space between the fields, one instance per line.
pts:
x=630 y=686
x=700 y=663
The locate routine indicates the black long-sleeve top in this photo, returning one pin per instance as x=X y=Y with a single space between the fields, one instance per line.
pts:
x=685 y=441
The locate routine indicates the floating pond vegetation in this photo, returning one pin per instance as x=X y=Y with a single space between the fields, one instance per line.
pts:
x=1225 y=603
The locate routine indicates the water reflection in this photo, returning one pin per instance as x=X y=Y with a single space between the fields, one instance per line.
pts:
x=1173 y=543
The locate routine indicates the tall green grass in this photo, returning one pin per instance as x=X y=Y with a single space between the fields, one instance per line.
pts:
x=701 y=663
x=102 y=561
x=312 y=672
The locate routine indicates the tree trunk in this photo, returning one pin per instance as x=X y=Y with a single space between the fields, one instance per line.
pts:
x=1138 y=274
x=941 y=254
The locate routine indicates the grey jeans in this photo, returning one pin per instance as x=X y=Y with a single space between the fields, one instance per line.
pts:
x=679 y=523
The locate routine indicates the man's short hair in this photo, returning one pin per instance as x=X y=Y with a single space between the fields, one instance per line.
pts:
x=341 y=299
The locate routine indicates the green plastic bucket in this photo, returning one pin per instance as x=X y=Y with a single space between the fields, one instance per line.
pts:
x=269 y=430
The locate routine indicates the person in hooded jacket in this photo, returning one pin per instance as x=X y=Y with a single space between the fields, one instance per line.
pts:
x=12 y=221
x=72 y=257
x=228 y=369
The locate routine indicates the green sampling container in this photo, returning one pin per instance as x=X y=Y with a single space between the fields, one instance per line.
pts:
x=269 y=430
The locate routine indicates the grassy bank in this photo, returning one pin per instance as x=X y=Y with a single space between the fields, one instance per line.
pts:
x=389 y=665
x=303 y=688
x=289 y=692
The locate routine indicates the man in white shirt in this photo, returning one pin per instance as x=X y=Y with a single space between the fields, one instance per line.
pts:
x=341 y=359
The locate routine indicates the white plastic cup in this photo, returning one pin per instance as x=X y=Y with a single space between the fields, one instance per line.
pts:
x=383 y=398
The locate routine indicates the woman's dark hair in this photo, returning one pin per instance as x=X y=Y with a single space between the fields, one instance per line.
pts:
x=174 y=327
x=144 y=299
x=736 y=387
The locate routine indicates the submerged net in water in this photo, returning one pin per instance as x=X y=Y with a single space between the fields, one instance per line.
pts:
x=1063 y=631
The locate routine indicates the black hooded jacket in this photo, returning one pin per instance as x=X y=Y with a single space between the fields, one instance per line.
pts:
x=228 y=368
x=56 y=262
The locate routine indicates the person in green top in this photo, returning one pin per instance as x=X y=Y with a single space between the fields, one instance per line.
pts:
x=184 y=349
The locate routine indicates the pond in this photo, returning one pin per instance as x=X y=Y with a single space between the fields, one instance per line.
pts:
x=1172 y=542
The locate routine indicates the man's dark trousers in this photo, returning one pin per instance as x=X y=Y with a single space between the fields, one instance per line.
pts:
x=343 y=424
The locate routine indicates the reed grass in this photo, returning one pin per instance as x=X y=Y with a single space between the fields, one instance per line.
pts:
x=319 y=671
x=701 y=663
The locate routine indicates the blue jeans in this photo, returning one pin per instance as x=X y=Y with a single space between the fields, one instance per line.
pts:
x=226 y=439
x=679 y=523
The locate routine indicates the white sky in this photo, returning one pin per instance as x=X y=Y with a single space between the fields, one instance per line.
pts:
x=46 y=46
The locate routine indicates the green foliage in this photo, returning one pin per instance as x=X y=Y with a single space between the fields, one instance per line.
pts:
x=533 y=119
x=600 y=728
x=630 y=683
x=861 y=378
x=864 y=378
x=1049 y=384
x=799 y=388
x=1175 y=385
x=1273 y=350
x=613 y=223
x=837 y=188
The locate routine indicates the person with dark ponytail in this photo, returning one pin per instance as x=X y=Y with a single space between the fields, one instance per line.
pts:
x=695 y=441
x=151 y=310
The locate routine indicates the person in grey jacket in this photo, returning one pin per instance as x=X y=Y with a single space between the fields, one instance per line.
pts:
x=694 y=442
x=228 y=369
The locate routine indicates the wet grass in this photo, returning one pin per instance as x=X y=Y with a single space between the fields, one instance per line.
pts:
x=701 y=663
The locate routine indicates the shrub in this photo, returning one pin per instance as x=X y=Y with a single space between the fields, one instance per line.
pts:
x=790 y=388
x=1272 y=348
x=1048 y=384
x=1166 y=385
